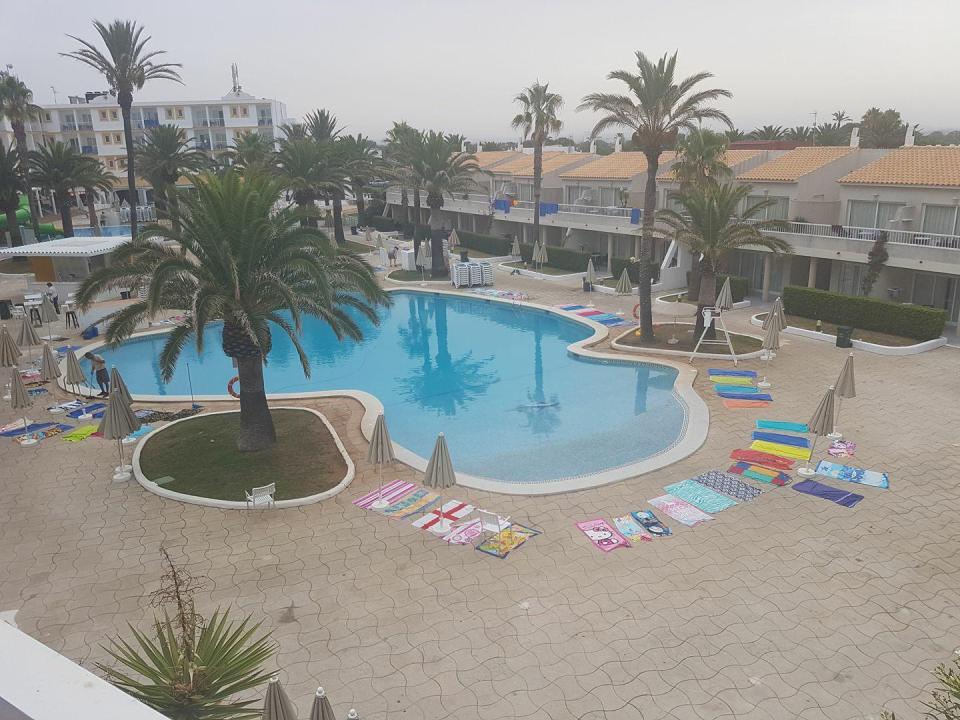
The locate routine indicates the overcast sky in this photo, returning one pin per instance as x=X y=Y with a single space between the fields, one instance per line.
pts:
x=455 y=65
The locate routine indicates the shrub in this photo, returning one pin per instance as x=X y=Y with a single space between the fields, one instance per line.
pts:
x=618 y=264
x=484 y=243
x=739 y=286
x=421 y=232
x=572 y=260
x=912 y=321
x=383 y=224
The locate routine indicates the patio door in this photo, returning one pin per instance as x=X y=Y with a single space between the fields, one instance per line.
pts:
x=936 y=291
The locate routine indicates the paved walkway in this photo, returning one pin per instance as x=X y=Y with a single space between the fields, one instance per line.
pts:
x=787 y=607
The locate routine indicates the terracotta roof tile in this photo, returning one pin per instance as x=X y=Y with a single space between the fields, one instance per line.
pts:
x=488 y=158
x=929 y=166
x=733 y=158
x=552 y=162
x=616 y=166
x=793 y=165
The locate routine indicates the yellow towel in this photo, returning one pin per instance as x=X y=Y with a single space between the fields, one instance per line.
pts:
x=730 y=380
x=787 y=451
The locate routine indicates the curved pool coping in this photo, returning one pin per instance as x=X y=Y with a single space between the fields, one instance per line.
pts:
x=692 y=436
x=236 y=504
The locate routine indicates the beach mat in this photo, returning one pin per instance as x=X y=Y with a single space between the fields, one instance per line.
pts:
x=740 y=404
x=756 y=457
x=848 y=473
x=787 y=451
x=732 y=380
x=505 y=541
x=80 y=433
x=632 y=530
x=452 y=510
x=464 y=533
x=794 y=440
x=736 y=389
x=732 y=373
x=32 y=427
x=48 y=432
x=392 y=492
x=680 y=510
x=700 y=496
x=834 y=495
x=603 y=535
x=742 y=396
x=728 y=485
x=651 y=523
x=87 y=410
x=417 y=501
x=782 y=425
x=760 y=474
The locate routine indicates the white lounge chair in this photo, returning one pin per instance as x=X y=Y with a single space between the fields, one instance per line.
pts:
x=491 y=522
x=261 y=496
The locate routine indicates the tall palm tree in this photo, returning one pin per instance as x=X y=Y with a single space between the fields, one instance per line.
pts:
x=735 y=135
x=127 y=65
x=536 y=120
x=700 y=158
x=361 y=164
x=657 y=108
x=252 y=153
x=165 y=155
x=11 y=185
x=16 y=105
x=92 y=176
x=58 y=167
x=403 y=143
x=441 y=169
x=768 y=133
x=322 y=128
x=710 y=224
x=840 y=118
x=309 y=171
x=799 y=134
x=240 y=261
x=830 y=135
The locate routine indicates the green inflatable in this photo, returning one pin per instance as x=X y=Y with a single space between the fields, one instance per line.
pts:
x=23 y=219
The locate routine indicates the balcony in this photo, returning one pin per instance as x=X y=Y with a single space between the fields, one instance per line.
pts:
x=213 y=122
x=89 y=149
x=68 y=127
x=265 y=122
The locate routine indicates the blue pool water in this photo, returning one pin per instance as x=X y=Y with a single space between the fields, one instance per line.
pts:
x=105 y=231
x=496 y=378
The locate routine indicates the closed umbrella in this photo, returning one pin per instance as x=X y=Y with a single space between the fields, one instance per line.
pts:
x=28 y=337
x=535 y=255
x=422 y=258
x=776 y=314
x=119 y=386
x=440 y=475
x=118 y=422
x=49 y=367
x=820 y=425
x=724 y=299
x=771 y=343
x=20 y=400
x=368 y=236
x=453 y=240
x=591 y=273
x=75 y=374
x=515 y=248
x=48 y=314
x=544 y=258
x=276 y=703
x=380 y=452
x=9 y=352
x=846 y=388
x=321 y=710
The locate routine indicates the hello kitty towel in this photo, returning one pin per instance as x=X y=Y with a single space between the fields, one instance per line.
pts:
x=603 y=535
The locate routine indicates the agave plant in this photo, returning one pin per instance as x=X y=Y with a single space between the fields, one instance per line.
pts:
x=193 y=678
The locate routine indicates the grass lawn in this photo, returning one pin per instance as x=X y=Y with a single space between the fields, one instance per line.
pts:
x=415 y=276
x=684 y=333
x=202 y=458
x=611 y=282
x=473 y=254
x=546 y=269
x=870 y=336
x=358 y=247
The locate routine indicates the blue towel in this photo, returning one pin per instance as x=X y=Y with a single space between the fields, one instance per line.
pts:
x=741 y=389
x=840 y=497
x=30 y=428
x=732 y=373
x=782 y=425
x=800 y=442
x=91 y=409
x=742 y=396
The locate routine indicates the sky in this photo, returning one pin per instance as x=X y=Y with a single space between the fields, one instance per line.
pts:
x=455 y=65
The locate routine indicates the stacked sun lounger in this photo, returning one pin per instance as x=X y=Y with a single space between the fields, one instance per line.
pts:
x=738 y=388
x=471 y=274
x=604 y=318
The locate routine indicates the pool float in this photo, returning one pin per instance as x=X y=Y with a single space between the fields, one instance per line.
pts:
x=230 y=389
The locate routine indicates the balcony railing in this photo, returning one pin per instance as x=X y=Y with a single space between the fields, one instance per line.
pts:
x=596 y=210
x=85 y=126
x=898 y=237
x=264 y=121
x=89 y=150
x=68 y=127
x=213 y=122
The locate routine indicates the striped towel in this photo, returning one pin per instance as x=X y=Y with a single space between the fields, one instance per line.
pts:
x=417 y=501
x=732 y=380
x=744 y=396
x=736 y=389
x=760 y=474
x=795 y=441
x=787 y=451
x=392 y=492
x=745 y=403
x=571 y=308
x=755 y=457
x=732 y=373
x=782 y=425
x=700 y=496
x=452 y=511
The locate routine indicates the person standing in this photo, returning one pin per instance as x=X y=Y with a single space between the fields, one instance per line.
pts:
x=54 y=296
x=100 y=372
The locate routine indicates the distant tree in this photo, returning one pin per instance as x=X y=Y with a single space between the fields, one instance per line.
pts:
x=58 y=167
x=492 y=146
x=768 y=133
x=93 y=176
x=939 y=137
x=603 y=147
x=16 y=105
x=735 y=135
x=701 y=158
x=164 y=155
x=840 y=118
x=882 y=129
x=876 y=259
x=829 y=135
x=252 y=153
x=11 y=184
x=800 y=134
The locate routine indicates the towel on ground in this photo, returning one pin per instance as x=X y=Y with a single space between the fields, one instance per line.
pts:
x=602 y=534
x=71 y=405
x=50 y=431
x=503 y=542
x=80 y=433
x=732 y=380
x=680 y=510
x=732 y=373
x=700 y=496
x=737 y=404
x=794 y=440
x=840 y=497
x=651 y=523
x=787 y=451
x=728 y=485
x=853 y=474
x=782 y=425
x=452 y=510
x=842 y=448
x=746 y=396
x=392 y=492
x=32 y=427
x=87 y=410
x=760 y=474
x=737 y=389
x=775 y=462
x=631 y=529
x=464 y=533
x=417 y=501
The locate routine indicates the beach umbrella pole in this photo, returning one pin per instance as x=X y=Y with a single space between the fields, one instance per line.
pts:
x=27 y=440
x=766 y=367
x=836 y=434
x=190 y=383
x=806 y=470
x=380 y=503
x=122 y=470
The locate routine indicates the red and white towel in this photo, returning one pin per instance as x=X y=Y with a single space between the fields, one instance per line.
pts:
x=451 y=511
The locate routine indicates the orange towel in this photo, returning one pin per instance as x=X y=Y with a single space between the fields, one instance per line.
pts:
x=745 y=403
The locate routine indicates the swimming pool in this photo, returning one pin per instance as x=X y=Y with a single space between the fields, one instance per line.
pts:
x=496 y=378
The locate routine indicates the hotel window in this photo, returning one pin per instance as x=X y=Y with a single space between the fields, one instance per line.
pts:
x=580 y=195
x=940 y=219
x=47 y=117
x=613 y=196
x=870 y=214
x=111 y=164
x=778 y=210
x=169 y=113
x=244 y=111
x=233 y=111
x=525 y=192
x=179 y=112
x=122 y=163
x=113 y=114
x=118 y=138
x=103 y=115
x=106 y=139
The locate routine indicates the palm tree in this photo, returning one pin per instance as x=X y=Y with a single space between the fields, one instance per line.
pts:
x=658 y=107
x=126 y=66
x=768 y=133
x=58 y=167
x=710 y=224
x=16 y=105
x=403 y=143
x=92 y=176
x=799 y=134
x=321 y=127
x=252 y=153
x=441 y=169
x=840 y=118
x=361 y=164
x=830 y=135
x=700 y=158
x=536 y=120
x=11 y=185
x=735 y=135
x=309 y=171
x=256 y=269
x=165 y=155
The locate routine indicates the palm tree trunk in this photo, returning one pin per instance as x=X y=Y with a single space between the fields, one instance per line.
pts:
x=173 y=207
x=20 y=133
x=256 y=424
x=416 y=208
x=12 y=227
x=706 y=298
x=646 y=247
x=126 y=100
x=537 y=182
x=405 y=203
x=92 y=211
x=338 y=218
x=358 y=198
x=66 y=219
x=438 y=266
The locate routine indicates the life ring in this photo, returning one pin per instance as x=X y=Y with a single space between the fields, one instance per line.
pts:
x=636 y=311
x=230 y=389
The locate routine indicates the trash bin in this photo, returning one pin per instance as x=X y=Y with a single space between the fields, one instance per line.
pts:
x=844 y=336
x=6 y=309
x=464 y=256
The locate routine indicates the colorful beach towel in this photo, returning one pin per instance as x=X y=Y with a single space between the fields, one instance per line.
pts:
x=392 y=492
x=700 y=496
x=571 y=308
x=501 y=544
x=794 y=440
x=19 y=430
x=737 y=389
x=760 y=474
x=452 y=510
x=737 y=404
x=80 y=433
x=602 y=535
x=853 y=474
x=840 y=497
x=631 y=529
x=417 y=501
x=787 y=451
x=464 y=533
x=47 y=432
x=65 y=406
x=842 y=449
x=680 y=510
x=742 y=396
x=87 y=410
x=33 y=392
x=728 y=485
x=732 y=373
x=782 y=425
x=755 y=457
x=651 y=523
x=732 y=380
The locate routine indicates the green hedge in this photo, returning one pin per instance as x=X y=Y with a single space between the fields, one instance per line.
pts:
x=572 y=260
x=739 y=286
x=484 y=243
x=383 y=224
x=912 y=321
x=633 y=270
